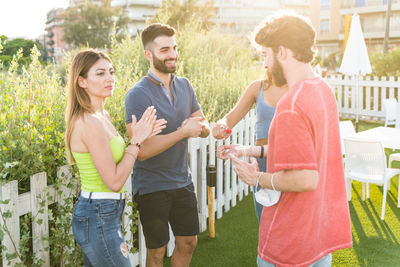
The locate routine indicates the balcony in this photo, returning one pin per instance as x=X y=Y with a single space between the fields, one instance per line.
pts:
x=127 y=3
x=366 y=6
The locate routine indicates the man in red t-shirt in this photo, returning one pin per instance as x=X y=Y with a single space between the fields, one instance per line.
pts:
x=311 y=218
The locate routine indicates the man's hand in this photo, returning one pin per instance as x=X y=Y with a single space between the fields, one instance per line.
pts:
x=247 y=172
x=192 y=126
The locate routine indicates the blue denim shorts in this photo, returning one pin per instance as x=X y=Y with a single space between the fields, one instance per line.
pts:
x=96 y=224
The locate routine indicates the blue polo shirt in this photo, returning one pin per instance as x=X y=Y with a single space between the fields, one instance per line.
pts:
x=169 y=169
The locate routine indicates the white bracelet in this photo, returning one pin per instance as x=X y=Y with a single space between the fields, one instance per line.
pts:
x=272 y=181
x=258 y=179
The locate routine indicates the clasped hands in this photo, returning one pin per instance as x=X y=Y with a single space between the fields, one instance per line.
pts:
x=247 y=172
x=193 y=126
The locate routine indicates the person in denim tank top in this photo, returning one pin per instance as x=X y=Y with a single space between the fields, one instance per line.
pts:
x=103 y=160
x=265 y=95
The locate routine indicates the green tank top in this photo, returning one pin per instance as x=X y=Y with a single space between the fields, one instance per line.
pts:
x=90 y=178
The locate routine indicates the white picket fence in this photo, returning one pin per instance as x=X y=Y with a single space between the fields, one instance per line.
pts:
x=228 y=191
x=229 y=188
x=371 y=94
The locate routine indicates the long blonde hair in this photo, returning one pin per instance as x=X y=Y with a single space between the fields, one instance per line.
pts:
x=78 y=102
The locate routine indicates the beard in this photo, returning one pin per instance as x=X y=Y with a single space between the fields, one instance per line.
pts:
x=278 y=76
x=161 y=66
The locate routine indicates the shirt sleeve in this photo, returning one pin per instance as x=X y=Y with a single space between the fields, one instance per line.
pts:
x=293 y=143
x=136 y=103
x=195 y=104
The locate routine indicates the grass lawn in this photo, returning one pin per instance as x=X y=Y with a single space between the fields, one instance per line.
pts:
x=375 y=242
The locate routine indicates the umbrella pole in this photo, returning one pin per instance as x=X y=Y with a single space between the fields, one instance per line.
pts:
x=357 y=102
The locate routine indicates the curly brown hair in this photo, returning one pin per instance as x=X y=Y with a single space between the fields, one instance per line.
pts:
x=291 y=31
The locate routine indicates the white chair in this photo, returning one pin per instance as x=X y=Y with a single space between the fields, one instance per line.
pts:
x=390 y=107
x=395 y=157
x=366 y=162
x=346 y=128
x=397 y=125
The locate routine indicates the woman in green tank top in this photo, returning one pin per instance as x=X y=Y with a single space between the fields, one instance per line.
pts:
x=103 y=160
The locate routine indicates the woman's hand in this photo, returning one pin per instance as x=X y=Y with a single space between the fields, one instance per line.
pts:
x=225 y=151
x=147 y=126
x=220 y=131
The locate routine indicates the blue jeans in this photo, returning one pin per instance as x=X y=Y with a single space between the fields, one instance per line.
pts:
x=96 y=224
x=325 y=261
x=262 y=165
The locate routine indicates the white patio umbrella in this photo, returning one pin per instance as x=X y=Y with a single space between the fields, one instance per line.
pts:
x=355 y=60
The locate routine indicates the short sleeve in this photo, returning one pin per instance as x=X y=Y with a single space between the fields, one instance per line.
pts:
x=195 y=104
x=293 y=145
x=136 y=103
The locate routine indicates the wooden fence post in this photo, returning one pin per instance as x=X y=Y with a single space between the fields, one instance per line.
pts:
x=40 y=219
x=9 y=192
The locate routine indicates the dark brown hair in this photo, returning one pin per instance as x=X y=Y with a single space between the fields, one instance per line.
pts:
x=290 y=31
x=154 y=30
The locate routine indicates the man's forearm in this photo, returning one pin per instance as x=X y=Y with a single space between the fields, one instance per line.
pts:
x=291 y=180
x=159 y=143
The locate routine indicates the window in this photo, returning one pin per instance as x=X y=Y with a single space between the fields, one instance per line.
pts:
x=385 y=2
x=324 y=26
x=360 y=3
x=325 y=4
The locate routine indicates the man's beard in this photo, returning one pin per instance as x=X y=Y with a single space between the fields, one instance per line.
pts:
x=278 y=76
x=161 y=66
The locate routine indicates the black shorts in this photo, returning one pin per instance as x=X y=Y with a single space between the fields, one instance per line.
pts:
x=178 y=207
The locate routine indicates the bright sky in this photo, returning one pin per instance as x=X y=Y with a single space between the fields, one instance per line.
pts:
x=26 y=18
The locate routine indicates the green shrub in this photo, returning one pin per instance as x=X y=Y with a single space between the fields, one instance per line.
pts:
x=386 y=64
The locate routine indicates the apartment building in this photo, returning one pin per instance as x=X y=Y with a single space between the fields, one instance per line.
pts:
x=138 y=11
x=233 y=16
x=239 y=17
x=54 y=38
x=330 y=17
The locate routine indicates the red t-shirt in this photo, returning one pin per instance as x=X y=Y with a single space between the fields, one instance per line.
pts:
x=303 y=227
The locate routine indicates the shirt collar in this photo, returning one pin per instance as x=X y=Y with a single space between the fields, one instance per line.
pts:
x=158 y=81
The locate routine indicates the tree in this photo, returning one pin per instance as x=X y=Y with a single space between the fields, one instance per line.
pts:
x=11 y=47
x=177 y=13
x=386 y=64
x=93 y=24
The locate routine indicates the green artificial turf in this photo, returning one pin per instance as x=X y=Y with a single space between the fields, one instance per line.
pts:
x=375 y=242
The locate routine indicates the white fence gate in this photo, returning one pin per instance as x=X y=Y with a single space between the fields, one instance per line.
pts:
x=228 y=191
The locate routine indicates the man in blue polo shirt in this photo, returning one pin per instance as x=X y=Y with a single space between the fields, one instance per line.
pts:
x=162 y=184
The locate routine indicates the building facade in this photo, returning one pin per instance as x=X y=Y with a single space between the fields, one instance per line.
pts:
x=331 y=17
x=54 y=39
x=138 y=12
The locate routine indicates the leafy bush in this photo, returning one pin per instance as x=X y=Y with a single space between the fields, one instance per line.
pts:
x=386 y=64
